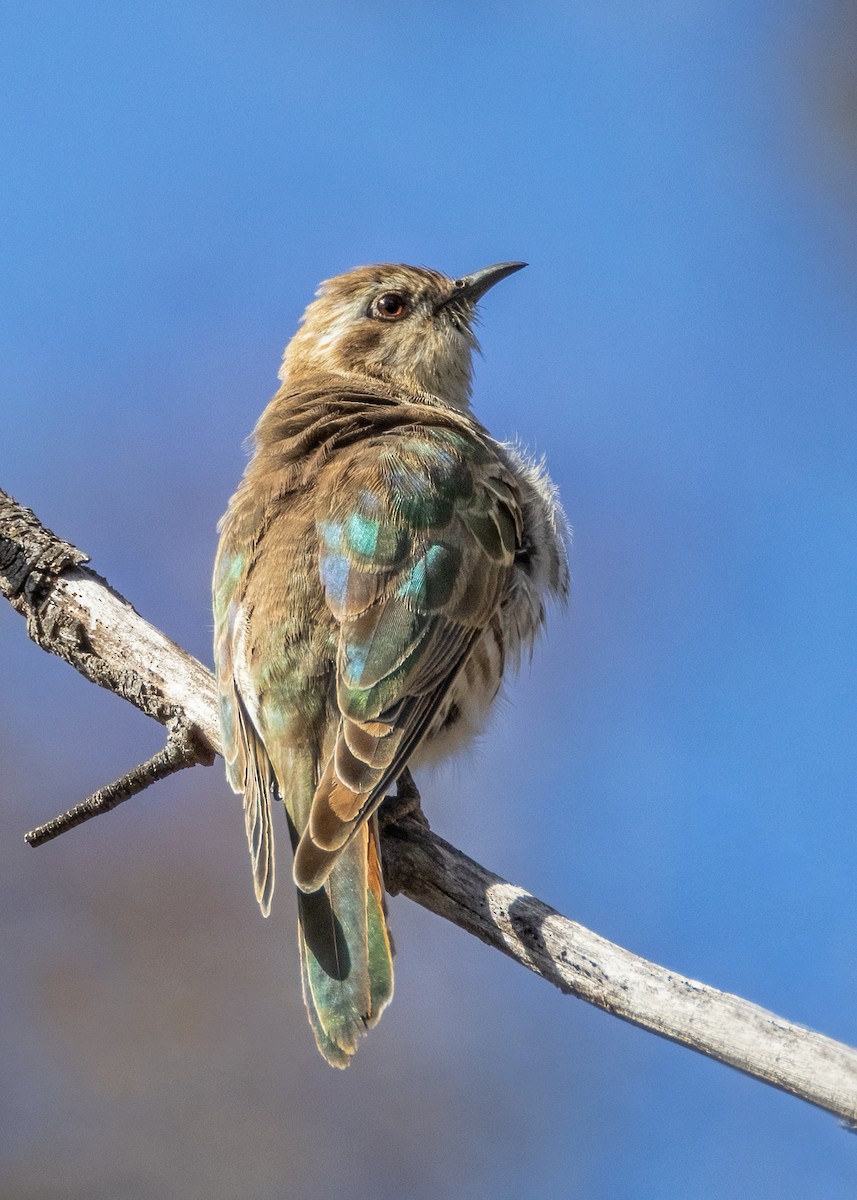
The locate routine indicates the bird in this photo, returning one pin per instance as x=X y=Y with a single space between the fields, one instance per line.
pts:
x=383 y=563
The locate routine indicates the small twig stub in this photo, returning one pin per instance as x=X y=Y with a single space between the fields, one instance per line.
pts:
x=183 y=749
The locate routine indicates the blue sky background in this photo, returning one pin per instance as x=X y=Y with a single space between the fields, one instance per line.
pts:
x=676 y=770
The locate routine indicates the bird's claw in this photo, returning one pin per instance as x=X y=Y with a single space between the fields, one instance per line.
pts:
x=405 y=803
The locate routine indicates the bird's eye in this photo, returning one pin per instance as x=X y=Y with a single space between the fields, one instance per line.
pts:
x=390 y=307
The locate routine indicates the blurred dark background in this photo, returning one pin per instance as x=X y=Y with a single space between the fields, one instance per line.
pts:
x=676 y=769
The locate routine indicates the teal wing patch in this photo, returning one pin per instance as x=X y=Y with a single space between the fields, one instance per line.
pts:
x=415 y=550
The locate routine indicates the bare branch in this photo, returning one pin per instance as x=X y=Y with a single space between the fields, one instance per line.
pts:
x=70 y=611
x=74 y=613
x=434 y=874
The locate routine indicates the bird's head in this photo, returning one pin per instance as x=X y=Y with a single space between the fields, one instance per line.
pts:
x=408 y=326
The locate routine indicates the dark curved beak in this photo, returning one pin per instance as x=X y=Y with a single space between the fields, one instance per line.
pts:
x=473 y=287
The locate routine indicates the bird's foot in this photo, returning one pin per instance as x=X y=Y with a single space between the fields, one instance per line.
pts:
x=405 y=803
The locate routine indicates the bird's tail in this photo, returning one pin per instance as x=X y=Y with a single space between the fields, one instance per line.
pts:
x=346 y=950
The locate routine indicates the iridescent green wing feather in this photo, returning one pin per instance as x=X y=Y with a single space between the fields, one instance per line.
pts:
x=417 y=534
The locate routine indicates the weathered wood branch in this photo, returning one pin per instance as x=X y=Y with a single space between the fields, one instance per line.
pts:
x=72 y=612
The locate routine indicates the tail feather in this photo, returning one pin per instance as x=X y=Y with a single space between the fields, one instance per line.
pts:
x=346 y=953
x=381 y=948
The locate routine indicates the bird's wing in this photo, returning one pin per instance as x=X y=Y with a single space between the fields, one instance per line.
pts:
x=417 y=538
x=248 y=767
